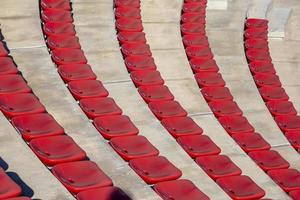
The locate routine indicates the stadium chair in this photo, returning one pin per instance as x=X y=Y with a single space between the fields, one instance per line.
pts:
x=287 y=179
x=273 y=93
x=294 y=138
x=203 y=65
x=209 y=79
x=204 y=2
x=127 y=37
x=236 y=124
x=131 y=3
x=193 y=28
x=194 y=7
x=192 y=17
x=251 y=142
x=13 y=84
x=267 y=80
x=106 y=193
x=135 y=49
x=256 y=44
x=56 y=15
x=128 y=11
x=129 y=24
x=166 y=109
x=155 y=169
x=281 y=108
x=257 y=33
x=216 y=94
x=75 y=72
x=3 y=50
x=59 y=28
x=195 y=40
x=57 y=4
x=225 y=108
x=7 y=66
x=134 y=63
x=155 y=93
x=82 y=89
x=68 y=56
x=146 y=78
x=203 y=52
x=288 y=122
x=258 y=55
x=8 y=188
x=262 y=67
x=63 y=41
x=256 y=23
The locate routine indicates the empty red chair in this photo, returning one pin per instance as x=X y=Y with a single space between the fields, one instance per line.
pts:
x=258 y=55
x=288 y=122
x=198 y=145
x=258 y=33
x=204 y=2
x=7 y=66
x=193 y=28
x=20 y=104
x=97 y=107
x=236 y=124
x=179 y=190
x=241 y=188
x=181 y=126
x=57 y=4
x=273 y=93
x=287 y=179
x=12 y=84
x=132 y=147
x=294 y=138
x=166 y=109
x=87 y=89
x=75 y=72
x=216 y=94
x=195 y=40
x=155 y=93
x=269 y=160
x=63 y=41
x=36 y=126
x=3 y=50
x=203 y=52
x=105 y=193
x=209 y=79
x=134 y=63
x=256 y=23
x=192 y=7
x=131 y=3
x=68 y=56
x=146 y=78
x=135 y=49
x=155 y=169
x=262 y=67
x=281 y=108
x=203 y=65
x=81 y=175
x=8 y=188
x=56 y=15
x=267 y=80
x=128 y=11
x=59 y=28
x=225 y=108
x=193 y=17
x=251 y=142
x=125 y=37
x=115 y=126
x=57 y=149
x=295 y=194
x=254 y=43
x=129 y=24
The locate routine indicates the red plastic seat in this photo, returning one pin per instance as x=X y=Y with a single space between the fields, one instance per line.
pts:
x=204 y=2
x=146 y=78
x=193 y=28
x=295 y=194
x=203 y=52
x=128 y=11
x=129 y=24
x=63 y=41
x=20 y=104
x=198 y=145
x=236 y=124
x=134 y=63
x=36 y=126
x=241 y=188
x=267 y=80
x=115 y=126
x=194 y=7
x=256 y=23
x=288 y=122
x=125 y=37
x=97 y=107
x=294 y=138
x=256 y=44
x=68 y=56
x=218 y=166
x=136 y=49
x=105 y=193
x=132 y=147
x=287 y=179
x=3 y=50
x=7 y=66
x=12 y=84
x=193 y=17
x=195 y=40
x=166 y=109
x=57 y=149
x=56 y=15
x=181 y=126
x=58 y=4
x=75 y=72
x=87 y=89
x=258 y=33
x=81 y=175
x=216 y=94
x=203 y=65
x=281 y=108
x=225 y=108
x=8 y=188
x=262 y=67
x=59 y=28
x=155 y=169
x=131 y=3
x=258 y=55
x=179 y=190
x=155 y=93
x=273 y=93
x=209 y=79
x=251 y=142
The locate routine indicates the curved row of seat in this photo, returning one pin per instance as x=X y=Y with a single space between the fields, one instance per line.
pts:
x=107 y=117
x=141 y=66
x=220 y=100
x=46 y=138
